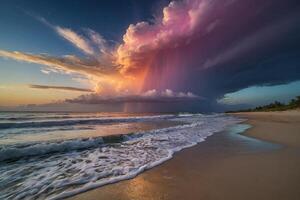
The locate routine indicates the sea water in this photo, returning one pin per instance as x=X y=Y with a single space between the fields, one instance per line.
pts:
x=57 y=155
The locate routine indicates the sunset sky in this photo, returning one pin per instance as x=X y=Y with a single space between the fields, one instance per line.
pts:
x=148 y=55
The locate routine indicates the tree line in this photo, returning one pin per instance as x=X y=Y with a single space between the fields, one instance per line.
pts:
x=275 y=106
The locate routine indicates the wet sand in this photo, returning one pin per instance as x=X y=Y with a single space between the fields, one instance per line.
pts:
x=226 y=166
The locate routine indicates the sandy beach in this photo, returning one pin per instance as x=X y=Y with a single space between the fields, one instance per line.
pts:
x=262 y=163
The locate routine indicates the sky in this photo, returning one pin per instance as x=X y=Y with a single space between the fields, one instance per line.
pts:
x=150 y=55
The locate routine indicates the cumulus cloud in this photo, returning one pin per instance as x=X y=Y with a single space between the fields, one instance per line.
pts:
x=150 y=96
x=60 y=88
x=180 y=21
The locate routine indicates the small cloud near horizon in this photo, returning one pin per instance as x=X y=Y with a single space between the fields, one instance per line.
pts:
x=150 y=96
x=60 y=88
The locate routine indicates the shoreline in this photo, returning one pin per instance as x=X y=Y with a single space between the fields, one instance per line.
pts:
x=224 y=166
x=268 y=119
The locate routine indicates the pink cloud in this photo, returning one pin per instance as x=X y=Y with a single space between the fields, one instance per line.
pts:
x=180 y=20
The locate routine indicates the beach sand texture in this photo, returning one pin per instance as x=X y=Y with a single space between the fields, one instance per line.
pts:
x=225 y=166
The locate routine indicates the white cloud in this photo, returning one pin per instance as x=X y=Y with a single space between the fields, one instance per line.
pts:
x=77 y=40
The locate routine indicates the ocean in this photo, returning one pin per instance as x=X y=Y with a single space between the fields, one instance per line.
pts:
x=57 y=155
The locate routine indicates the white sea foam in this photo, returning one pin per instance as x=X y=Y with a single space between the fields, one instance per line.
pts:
x=93 y=164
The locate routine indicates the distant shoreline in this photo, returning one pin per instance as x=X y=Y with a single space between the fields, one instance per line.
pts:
x=294 y=104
